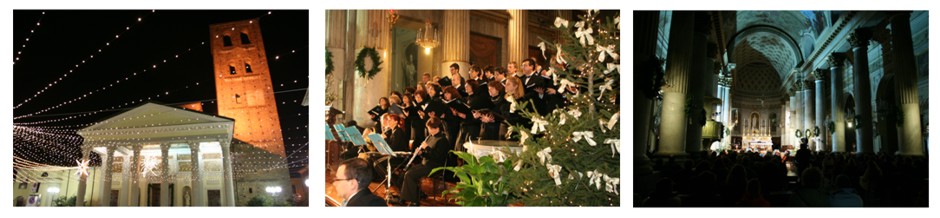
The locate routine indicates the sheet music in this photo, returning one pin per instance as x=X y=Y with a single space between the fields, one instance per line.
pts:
x=381 y=144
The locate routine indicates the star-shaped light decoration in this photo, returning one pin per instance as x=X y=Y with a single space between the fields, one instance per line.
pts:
x=82 y=168
x=149 y=165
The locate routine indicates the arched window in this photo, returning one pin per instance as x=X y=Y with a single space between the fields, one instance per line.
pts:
x=248 y=68
x=231 y=70
x=227 y=41
x=245 y=39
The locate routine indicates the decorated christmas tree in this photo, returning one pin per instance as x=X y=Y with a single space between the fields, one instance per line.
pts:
x=571 y=156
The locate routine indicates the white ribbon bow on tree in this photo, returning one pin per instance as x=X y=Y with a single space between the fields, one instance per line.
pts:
x=614 y=146
x=612 y=184
x=587 y=135
x=613 y=120
x=545 y=155
x=538 y=125
x=558 y=57
x=607 y=86
x=611 y=67
x=512 y=103
x=564 y=85
x=561 y=22
x=604 y=52
x=584 y=34
x=542 y=47
x=617 y=22
x=498 y=155
x=554 y=171
x=522 y=138
x=595 y=178
x=576 y=113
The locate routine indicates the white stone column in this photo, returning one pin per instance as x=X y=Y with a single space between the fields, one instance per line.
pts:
x=518 y=36
x=124 y=195
x=105 y=199
x=199 y=191
x=836 y=61
x=906 y=84
x=455 y=42
x=164 y=174
x=82 y=180
x=678 y=67
x=134 y=199
x=228 y=178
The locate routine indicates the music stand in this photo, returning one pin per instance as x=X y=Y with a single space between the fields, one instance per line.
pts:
x=329 y=133
x=382 y=146
x=355 y=136
x=341 y=132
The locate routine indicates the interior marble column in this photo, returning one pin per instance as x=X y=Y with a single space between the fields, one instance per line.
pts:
x=455 y=42
x=859 y=41
x=809 y=112
x=646 y=27
x=696 y=81
x=678 y=67
x=820 y=110
x=836 y=61
x=906 y=84
x=518 y=36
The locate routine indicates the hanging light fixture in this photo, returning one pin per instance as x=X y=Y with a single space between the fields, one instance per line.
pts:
x=427 y=37
x=392 y=17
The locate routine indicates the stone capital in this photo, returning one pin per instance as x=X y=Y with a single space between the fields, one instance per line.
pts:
x=836 y=60
x=860 y=37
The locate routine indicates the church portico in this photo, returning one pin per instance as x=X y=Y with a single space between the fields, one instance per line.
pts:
x=187 y=149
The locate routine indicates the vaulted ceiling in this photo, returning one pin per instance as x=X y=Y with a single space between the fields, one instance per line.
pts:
x=764 y=47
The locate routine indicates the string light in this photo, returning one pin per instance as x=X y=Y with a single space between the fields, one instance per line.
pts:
x=26 y=41
x=50 y=85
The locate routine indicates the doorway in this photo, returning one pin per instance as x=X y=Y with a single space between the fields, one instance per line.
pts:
x=153 y=195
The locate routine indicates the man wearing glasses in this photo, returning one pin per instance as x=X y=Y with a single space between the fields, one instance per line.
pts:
x=352 y=183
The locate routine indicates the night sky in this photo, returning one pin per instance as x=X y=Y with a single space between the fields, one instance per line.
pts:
x=66 y=38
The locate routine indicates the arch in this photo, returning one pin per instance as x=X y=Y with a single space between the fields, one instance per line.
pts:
x=247 y=67
x=231 y=69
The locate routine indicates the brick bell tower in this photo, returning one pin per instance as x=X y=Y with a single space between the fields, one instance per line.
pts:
x=243 y=84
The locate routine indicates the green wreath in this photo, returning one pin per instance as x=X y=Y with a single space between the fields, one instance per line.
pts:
x=360 y=62
x=816 y=131
x=329 y=62
x=809 y=132
x=798 y=133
